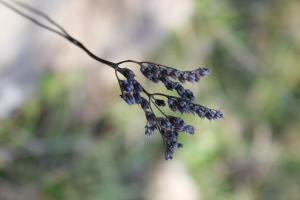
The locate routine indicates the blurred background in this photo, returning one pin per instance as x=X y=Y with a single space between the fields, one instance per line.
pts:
x=66 y=134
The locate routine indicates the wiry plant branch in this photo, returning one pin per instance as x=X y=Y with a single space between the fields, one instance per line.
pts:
x=61 y=31
x=132 y=92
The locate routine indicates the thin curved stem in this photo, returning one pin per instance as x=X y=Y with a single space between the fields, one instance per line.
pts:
x=128 y=61
x=156 y=122
x=167 y=96
x=118 y=78
x=31 y=18
x=63 y=33
x=37 y=12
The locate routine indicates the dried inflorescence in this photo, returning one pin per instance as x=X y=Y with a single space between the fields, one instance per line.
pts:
x=132 y=91
x=168 y=126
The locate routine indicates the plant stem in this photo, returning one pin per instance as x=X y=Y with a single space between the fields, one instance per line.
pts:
x=62 y=32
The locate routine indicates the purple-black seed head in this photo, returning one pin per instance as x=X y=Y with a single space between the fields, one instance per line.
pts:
x=168 y=155
x=149 y=130
x=126 y=86
x=127 y=73
x=172 y=104
x=137 y=97
x=137 y=86
x=144 y=104
x=128 y=98
x=150 y=117
x=203 y=72
x=192 y=77
x=168 y=126
x=218 y=115
x=189 y=129
x=165 y=123
x=188 y=94
x=175 y=74
x=180 y=89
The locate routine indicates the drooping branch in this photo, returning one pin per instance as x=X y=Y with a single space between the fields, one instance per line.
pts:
x=132 y=92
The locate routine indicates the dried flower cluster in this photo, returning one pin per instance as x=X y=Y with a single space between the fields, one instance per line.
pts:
x=168 y=126
x=132 y=91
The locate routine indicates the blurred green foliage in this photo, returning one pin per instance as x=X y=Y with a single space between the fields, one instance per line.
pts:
x=252 y=48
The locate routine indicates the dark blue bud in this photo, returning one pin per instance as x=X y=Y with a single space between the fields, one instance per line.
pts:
x=128 y=98
x=175 y=74
x=189 y=129
x=218 y=115
x=143 y=67
x=168 y=71
x=182 y=103
x=201 y=113
x=149 y=131
x=137 y=97
x=172 y=104
x=185 y=75
x=127 y=73
x=137 y=86
x=202 y=72
x=170 y=85
x=164 y=122
x=209 y=114
x=144 y=104
x=183 y=106
x=150 y=117
x=126 y=86
x=176 y=121
x=188 y=94
x=151 y=66
x=180 y=89
x=192 y=77
x=168 y=155
x=182 y=77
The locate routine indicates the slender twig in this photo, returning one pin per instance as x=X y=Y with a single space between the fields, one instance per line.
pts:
x=156 y=120
x=33 y=10
x=31 y=18
x=61 y=33
x=129 y=61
